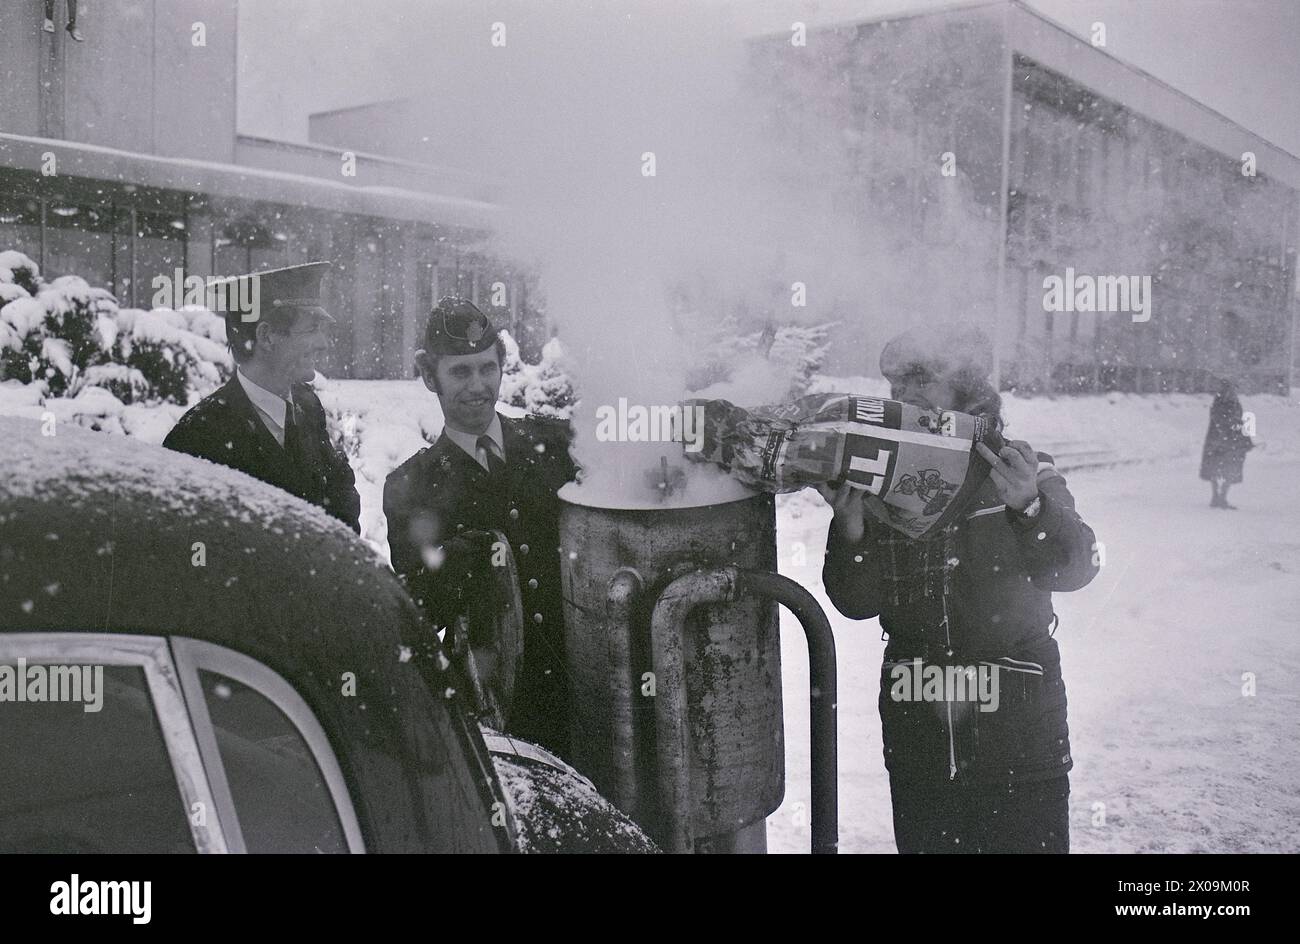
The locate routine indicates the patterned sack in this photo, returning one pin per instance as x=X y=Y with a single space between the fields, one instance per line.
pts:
x=922 y=464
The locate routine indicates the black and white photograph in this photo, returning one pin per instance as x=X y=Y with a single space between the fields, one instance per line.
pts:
x=651 y=426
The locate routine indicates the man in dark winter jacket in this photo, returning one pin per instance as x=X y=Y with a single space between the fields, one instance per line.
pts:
x=972 y=605
x=266 y=421
x=486 y=472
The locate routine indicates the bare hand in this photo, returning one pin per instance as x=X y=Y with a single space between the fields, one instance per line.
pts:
x=846 y=502
x=1014 y=470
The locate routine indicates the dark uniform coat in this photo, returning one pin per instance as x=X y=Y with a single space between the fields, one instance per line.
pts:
x=441 y=492
x=225 y=427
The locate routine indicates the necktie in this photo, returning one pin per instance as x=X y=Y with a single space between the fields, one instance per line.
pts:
x=488 y=453
x=292 y=442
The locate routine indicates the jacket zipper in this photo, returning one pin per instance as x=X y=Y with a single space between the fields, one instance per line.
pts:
x=952 y=747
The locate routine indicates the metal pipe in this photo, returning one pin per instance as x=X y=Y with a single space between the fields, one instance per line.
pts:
x=624 y=588
x=822 y=686
x=672 y=738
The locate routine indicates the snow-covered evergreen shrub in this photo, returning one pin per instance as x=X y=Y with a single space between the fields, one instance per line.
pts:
x=718 y=353
x=803 y=349
x=17 y=269
x=345 y=429
x=542 y=388
x=65 y=336
x=799 y=351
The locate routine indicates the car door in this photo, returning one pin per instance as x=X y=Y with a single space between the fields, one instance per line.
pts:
x=120 y=743
x=274 y=777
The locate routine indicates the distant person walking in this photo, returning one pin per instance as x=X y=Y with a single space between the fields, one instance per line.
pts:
x=72 y=20
x=1225 y=446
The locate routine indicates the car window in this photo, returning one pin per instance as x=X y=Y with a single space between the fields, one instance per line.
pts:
x=280 y=796
x=276 y=782
x=78 y=780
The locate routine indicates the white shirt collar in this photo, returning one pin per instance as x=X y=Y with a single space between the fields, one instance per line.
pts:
x=273 y=407
x=468 y=442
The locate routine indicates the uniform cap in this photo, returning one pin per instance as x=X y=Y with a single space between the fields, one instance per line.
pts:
x=244 y=300
x=456 y=326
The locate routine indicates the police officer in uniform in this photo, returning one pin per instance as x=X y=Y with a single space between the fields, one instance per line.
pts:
x=266 y=421
x=486 y=472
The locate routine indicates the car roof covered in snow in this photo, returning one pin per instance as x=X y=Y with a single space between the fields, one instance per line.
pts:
x=106 y=534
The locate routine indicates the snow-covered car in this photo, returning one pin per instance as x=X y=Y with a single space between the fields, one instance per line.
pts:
x=193 y=661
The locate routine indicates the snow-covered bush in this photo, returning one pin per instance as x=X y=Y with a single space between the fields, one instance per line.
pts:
x=172 y=358
x=94 y=408
x=786 y=356
x=803 y=349
x=65 y=336
x=542 y=388
x=19 y=270
x=345 y=428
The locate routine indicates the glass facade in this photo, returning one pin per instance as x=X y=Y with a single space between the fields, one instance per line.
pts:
x=386 y=275
x=1104 y=191
x=79 y=241
x=20 y=225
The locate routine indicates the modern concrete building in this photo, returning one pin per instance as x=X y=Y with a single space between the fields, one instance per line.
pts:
x=980 y=150
x=120 y=160
x=1060 y=157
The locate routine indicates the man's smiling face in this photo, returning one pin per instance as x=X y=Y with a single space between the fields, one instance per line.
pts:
x=467 y=386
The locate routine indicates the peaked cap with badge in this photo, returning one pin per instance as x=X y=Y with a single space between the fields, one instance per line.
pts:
x=457 y=326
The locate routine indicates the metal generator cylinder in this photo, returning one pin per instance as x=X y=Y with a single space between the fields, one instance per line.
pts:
x=675 y=671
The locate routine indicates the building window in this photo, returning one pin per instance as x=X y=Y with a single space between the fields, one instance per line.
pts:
x=160 y=241
x=20 y=226
x=79 y=241
x=248 y=245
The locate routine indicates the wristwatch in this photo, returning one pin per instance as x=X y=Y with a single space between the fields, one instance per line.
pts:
x=1032 y=509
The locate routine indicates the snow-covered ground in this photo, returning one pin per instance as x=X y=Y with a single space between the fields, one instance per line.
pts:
x=1170 y=756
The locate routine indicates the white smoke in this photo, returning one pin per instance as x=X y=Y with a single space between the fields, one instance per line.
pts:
x=569 y=106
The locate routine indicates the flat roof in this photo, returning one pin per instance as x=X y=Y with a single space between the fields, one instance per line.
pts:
x=1164 y=104
x=1100 y=71
x=91 y=161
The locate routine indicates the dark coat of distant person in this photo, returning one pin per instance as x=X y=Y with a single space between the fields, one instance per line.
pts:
x=1224 y=453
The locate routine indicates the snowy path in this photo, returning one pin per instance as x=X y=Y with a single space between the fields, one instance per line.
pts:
x=1169 y=754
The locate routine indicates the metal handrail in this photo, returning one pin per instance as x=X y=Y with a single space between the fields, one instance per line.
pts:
x=726 y=585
